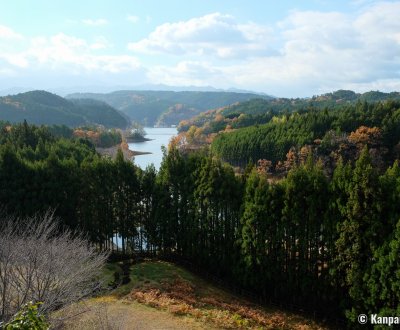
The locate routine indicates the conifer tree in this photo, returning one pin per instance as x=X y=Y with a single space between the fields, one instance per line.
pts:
x=254 y=220
x=358 y=232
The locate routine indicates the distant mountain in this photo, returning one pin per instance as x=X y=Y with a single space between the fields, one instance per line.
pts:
x=41 y=107
x=167 y=107
x=104 y=88
x=162 y=87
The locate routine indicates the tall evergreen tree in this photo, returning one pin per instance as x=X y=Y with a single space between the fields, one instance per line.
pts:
x=358 y=232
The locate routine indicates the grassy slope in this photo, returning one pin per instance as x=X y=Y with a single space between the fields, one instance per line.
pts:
x=162 y=295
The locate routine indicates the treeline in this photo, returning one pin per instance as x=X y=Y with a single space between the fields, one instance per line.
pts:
x=41 y=171
x=99 y=137
x=260 y=111
x=312 y=126
x=238 y=115
x=323 y=244
x=327 y=245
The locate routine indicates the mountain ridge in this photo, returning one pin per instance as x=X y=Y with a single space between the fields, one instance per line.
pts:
x=165 y=108
x=42 y=107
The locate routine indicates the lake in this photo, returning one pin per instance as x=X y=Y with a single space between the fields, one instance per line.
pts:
x=159 y=136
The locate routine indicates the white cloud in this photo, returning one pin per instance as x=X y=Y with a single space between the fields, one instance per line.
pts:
x=307 y=53
x=214 y=34
x=16 y=60
x=379 y=84
x=10 y=53
x=185 y=73
x=95 y=22
x=8 y=33
x=338 y=48
x=314 y=52
x=100 y=43
x=63 y=52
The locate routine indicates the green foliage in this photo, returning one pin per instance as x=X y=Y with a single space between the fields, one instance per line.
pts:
x=261 y=110
x=254 y=227
x=307 y=240
x=252 y=107
x=109 y=138
x=135 y=133
x=273 y=140
x=101 y=113
x=384 y=279
x=40 y=107
x=28 y=318
x=174 y=114
x=311 y=240
x=61 y=131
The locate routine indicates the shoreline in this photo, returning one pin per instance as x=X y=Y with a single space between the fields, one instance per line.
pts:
x=128 y=154
x=139 y=153
x=137 y=140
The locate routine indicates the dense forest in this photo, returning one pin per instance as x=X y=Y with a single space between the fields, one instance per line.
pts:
x=260 y=110
x=253 y=131
x=327 y=243
x=41 y=107
x=327 y=132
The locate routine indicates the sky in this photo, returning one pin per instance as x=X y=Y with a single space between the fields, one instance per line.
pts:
x=282 y=48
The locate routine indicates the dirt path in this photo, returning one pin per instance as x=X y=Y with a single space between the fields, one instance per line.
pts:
x=124 y=315
x=164 y=296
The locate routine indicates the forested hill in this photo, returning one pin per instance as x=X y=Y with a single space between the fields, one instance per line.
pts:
x=329 y=126
x=329 y=134
x=328 y=100
x=259 y=110
x=167 y=107
x=41 y=107
x=326 y=245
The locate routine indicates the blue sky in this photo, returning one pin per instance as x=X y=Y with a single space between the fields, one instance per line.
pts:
x=284 y=48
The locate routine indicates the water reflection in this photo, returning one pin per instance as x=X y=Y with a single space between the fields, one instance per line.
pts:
x=159 y=137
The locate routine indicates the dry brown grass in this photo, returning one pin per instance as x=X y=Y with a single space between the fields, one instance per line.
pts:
x=112 y=313
x=182 y=297
x=164 y=296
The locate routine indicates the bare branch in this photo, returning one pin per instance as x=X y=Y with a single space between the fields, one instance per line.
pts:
x=41 y=262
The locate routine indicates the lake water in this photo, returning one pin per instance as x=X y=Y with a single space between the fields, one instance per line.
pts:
x=159 y=137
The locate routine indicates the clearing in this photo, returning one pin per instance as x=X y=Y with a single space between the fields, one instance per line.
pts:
x=162 y=296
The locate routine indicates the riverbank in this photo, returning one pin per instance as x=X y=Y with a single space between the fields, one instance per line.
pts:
x=128 y=154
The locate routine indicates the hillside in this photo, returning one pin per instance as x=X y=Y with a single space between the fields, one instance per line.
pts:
x=166 y=107
x=267 y=129
x=260 y=111
x=41 y=107
x=334 y=133
x=164 y=295
x=287 y=240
